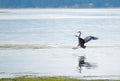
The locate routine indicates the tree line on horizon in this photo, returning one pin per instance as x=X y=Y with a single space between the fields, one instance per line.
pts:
x=59 y=3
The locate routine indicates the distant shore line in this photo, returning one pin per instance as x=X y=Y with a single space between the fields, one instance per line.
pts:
x=64 y=8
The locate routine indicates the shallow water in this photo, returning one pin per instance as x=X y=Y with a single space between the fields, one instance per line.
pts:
x=38 y=42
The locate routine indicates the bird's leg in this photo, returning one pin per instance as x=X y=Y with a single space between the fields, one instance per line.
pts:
x=78 y=36
x=76 y=47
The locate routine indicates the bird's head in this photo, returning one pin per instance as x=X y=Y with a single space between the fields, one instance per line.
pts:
x=79 y=32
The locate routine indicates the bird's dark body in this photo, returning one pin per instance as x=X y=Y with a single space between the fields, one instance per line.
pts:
x=81 y=42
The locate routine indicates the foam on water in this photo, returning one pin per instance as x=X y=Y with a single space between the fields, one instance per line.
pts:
x=48 y=46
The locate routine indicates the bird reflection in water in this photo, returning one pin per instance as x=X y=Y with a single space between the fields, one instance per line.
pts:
x=83 y=63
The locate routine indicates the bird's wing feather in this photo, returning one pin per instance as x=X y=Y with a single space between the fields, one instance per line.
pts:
x=88 y=38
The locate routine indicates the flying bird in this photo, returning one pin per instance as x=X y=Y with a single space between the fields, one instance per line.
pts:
x=82 y=41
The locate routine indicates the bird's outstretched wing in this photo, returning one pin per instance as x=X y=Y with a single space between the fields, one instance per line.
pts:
x=88 y=38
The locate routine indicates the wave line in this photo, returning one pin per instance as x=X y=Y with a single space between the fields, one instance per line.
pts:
x=46 y=46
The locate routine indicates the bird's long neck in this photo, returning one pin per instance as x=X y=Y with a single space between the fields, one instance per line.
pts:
x=79 y=35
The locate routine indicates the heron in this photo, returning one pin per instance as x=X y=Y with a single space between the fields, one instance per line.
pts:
x=82 y=41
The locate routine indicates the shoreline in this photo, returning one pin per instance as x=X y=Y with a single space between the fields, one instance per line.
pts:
x=37 y=75
x=54 y=78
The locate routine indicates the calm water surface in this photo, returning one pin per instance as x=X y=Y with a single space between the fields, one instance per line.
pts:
x=38 y=42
